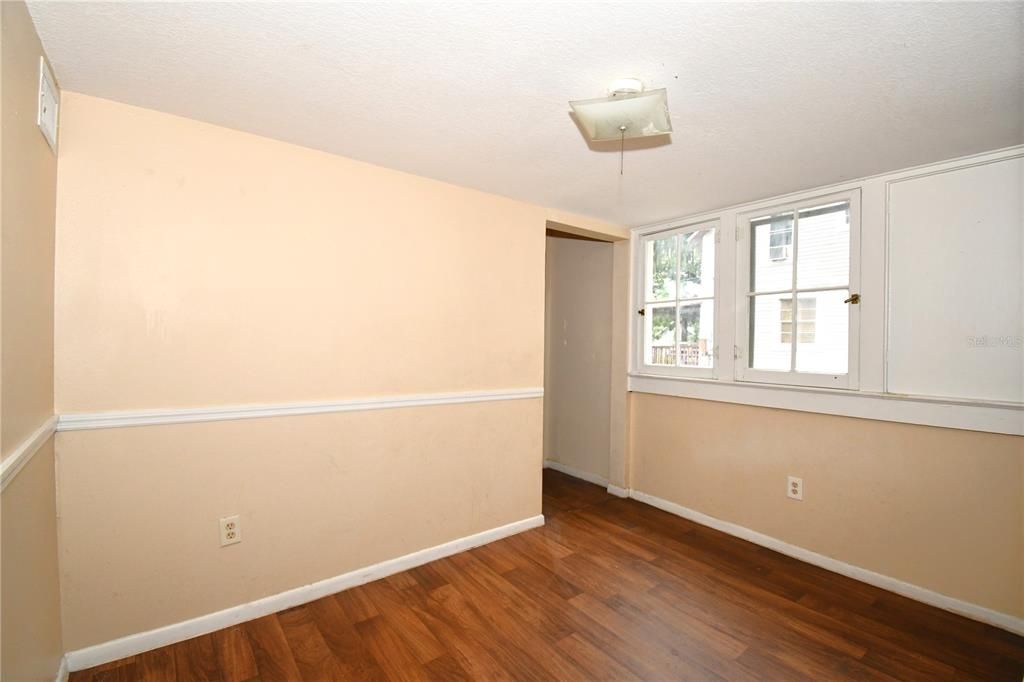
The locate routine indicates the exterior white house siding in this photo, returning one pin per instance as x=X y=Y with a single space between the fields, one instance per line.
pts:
x=817 y=321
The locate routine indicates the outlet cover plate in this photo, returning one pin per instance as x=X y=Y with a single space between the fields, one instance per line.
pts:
x=230 y=530
x=795 y=488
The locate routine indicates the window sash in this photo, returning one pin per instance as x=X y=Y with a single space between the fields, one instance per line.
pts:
x=678 y=300
x=746 y=224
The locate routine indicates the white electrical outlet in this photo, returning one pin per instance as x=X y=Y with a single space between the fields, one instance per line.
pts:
x=230 y=530
x=795 y=488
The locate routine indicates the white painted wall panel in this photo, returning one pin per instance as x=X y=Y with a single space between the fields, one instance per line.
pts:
x=956 y=288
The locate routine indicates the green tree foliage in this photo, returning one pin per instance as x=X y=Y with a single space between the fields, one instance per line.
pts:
x=663 y=272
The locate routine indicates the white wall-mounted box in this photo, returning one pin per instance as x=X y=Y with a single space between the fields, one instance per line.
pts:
x=49 y=104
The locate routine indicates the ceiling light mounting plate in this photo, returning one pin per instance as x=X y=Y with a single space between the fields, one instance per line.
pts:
x=625 y=87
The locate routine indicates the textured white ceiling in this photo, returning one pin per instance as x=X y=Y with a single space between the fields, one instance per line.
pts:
x=765 y=98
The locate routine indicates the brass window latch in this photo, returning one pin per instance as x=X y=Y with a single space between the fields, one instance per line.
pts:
x=854 y=299
x=641 y=312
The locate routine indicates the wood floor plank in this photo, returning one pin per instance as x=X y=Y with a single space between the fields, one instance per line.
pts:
x=678 y=623
x=157 y=665
x=313 y=658
x=816 y=664
x=594 y=663
x=550 y=590
x=356 y=604
x=544 y=620
x=389 y=650
x=445 y=668
x=234 y=654
x=509 y=637
x=694 y=643
x=499 y=557
x=344 y=641
x=403 y=620
x=473 y=657
x=669 y=660
x=196 y=659
x=128 y=672
x=966 y=660
x=428 y=577
x=483 y=623
x=534 y=577
x=608 y=589
x=402 y=580
x=270 y=648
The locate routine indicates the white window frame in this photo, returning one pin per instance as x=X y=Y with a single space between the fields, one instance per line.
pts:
x=744 y=297
x=640 y=304
x=872 y=266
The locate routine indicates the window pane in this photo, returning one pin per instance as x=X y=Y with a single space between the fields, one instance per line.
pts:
x=786 y=320
x=697 y=334
x=769 y=350
x=823 y=332
x=660 y=334
x=771 y=259
x=660 y=267
x=780 y=241
x=823 y=259
x=697 y=264
x=806 y=320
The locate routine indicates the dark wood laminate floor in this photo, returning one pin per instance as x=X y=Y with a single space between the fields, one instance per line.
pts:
x=609 y=589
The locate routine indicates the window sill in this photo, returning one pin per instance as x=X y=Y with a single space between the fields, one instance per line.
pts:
x=993 y=417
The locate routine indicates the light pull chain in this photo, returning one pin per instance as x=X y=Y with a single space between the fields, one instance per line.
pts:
x=622 y=147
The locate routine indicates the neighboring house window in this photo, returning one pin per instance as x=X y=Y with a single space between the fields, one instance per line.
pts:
x=805 y=321
x=678 y=306
x=796 y=266
x=779 y=240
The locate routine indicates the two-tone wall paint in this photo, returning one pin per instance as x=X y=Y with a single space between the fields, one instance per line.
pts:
x=202 y=267
x=941 y=509
x=199 y=267
x=921 y=489
x=30 y=633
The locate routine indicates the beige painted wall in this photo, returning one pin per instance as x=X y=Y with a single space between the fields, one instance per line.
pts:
x=318 y=496
x=578 y=376
x=29 y=172
x=939 y=508
x=31 y=648
x=200 y=266
x=216 y=267
x=30 y=630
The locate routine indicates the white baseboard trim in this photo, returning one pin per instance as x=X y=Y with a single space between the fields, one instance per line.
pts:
x=177 y=632
x=575 y=473
x=112 y=420
x=617 y=491
x=22 y=454
x=586 y=476
x=62 y=671
x=975 y=612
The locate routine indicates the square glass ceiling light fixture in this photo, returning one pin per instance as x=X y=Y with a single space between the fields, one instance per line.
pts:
x=627 y=113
